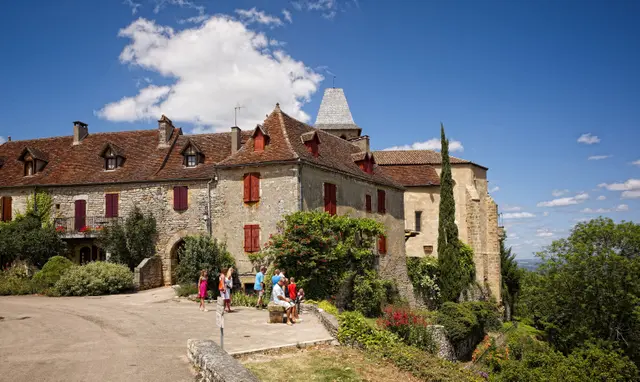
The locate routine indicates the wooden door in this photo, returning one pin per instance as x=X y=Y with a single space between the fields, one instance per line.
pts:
x=81 y=214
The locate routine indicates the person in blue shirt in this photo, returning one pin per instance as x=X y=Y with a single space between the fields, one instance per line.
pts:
x=276 y=277
x=259 y=286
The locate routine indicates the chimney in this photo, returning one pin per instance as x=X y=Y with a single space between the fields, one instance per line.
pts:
x=362 y=142
x=235 y=139
x=80 y=131
x=9 y=138
x=165 y=127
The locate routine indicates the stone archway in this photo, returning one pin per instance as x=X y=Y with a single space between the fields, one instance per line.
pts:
x=170 y=255
x=175 y=258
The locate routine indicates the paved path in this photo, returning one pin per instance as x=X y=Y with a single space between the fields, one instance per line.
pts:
x=138 y=337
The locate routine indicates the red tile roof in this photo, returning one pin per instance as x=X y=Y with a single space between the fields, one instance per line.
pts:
x=407 y=157
x=412 y=175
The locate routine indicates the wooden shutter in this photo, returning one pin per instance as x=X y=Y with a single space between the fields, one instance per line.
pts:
x=367 y=203
x=381 y=202
x=247 y=188
x=382 y=244
x=330 y=198
x=111 y=205
x=255 y=186
x=255 y=238
x=258 y=142
x=6 y=208
x=80 y=214
x=247 y=238
x=180 y=198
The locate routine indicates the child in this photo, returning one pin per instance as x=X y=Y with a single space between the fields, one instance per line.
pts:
x=222 y=285
x=293 y=294
x=299 y=299
x=202 y=289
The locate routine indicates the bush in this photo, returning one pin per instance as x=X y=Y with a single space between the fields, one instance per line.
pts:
x=132 y=242
x=424 y=274
x=186 y=290
x=96 y=278
x=242 y=299
x=409 y=325
x=14 y=285
x=354 y=330
x=201 y=252
x=26 y=238
x=466 y=324
x=369 y=294
x=328 y=307
x=53 y=270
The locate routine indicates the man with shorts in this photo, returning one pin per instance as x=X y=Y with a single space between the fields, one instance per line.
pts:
x=258 y=287
x=279 y=299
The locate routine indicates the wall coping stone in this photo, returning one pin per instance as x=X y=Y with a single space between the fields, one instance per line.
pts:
x=215 y=364
x=329 y=321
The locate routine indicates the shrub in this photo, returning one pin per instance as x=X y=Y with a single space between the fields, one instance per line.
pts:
x=201 y=252
x=132 y=242
x=354 y=330
x=26 y=238
x=186 y=290
x=328 y=307
x=409 y=325
x=424 y=274
x=369 y=294
x=466 y=323
x=53 y=270
x=243 y=299
x=96 y=278
x=14 y=285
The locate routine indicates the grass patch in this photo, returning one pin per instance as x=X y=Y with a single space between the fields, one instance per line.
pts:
x=322 y=363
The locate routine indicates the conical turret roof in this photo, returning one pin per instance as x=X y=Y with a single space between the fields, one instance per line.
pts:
x=334 y=112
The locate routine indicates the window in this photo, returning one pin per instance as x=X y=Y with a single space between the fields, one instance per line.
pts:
x=111 y=210
x=6 y=208
x=382 y=208
x=312 y=147
x=28 y=168
x=330 y=198
x=367 y=203
x=258 y=141
x=192 y=160
x=111 y=163
x=180 y=198
x=418 y=221
x=382 y=244
x=252 y=238
x=251 y=187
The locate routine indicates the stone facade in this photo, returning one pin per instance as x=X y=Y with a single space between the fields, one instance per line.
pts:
x=148 y=274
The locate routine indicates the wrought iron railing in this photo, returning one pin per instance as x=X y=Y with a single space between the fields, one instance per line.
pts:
x=89 y=225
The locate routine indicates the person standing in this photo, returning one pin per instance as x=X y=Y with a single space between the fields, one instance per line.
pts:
x=228 y=286
x=258 y=287
x=293 y=295
x=202 y=289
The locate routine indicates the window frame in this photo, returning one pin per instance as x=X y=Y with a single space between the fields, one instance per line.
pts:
x=367 y=203
x=382 y=202
x=418 y=221
x=189 y=157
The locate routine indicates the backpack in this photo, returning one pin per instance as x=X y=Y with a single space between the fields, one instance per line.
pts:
x=221 y=285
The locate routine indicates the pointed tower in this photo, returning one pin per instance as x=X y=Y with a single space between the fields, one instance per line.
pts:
x=334 y=115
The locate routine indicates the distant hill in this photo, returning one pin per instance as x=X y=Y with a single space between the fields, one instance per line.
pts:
x=529 y=264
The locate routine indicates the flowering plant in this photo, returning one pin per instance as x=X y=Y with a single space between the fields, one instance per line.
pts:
x=60 y=229
x=412 y=326
x=85 y=229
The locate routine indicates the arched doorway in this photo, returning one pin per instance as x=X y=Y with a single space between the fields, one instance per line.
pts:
x=175 y=258
x=85 y=255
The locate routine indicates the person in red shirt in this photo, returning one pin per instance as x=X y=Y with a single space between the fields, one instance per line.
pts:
x=293 y=293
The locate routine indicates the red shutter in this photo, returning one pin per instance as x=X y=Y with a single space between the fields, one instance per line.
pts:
x=381 y=202
x=247 y=238
x=185 y=198
x=176 y=198
x=255 y=238
x=114 y=205
x=367 y=203
x=80 y=214
x=180 y=198
x=255 y=186
x=258 y=142
x=108 y=207
x=382 y=244
x=247 y=188
x=327 y=198
x=333 y=199
x=6 y=208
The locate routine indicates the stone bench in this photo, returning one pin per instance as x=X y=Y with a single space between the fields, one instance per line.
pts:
x=277 y=314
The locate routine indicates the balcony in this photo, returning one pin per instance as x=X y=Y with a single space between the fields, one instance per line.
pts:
x=78 y=228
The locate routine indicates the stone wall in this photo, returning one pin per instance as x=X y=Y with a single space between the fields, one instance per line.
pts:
x=427 y=200
x=216 y=365
x=350 y=194
x=279 y=196
x=148 y=274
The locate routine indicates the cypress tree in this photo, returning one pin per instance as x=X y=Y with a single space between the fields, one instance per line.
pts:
x=448 y=244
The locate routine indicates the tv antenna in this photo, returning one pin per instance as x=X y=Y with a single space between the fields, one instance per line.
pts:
x=333 y=84
x=235 y=114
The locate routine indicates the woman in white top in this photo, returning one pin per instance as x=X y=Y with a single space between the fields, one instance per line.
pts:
x=227 y=289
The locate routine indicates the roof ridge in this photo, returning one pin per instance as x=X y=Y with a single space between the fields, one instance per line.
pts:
x=284 y=130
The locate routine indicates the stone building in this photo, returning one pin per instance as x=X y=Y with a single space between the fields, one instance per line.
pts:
x=235 y=186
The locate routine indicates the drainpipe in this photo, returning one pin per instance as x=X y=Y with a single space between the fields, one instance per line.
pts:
x=209 y=222
x=301 y=202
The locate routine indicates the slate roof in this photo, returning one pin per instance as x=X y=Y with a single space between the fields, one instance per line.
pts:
x=334 y=111
x=412 y=175
x=286 y=145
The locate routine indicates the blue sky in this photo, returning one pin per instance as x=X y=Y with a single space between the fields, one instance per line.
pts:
x=517 y=83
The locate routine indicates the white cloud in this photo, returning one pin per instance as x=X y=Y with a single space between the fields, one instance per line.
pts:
x=327 y=7
x=213 y=67
x=557 y=193
x=287 y=16
x=631 y=194
x=134 y=6
x=588 y=139
x=253 y=15
x=496 y=188
x=509 y=208
x=513 y=236
x=518 y=215
x=2 y=140
x=546 y=213
x=637 y=163
x=565 y=201
x=581 y=220
x=543 y=232
x=629 y=185
x=431 y=144
x=160 y=4
x=599 y=157
x=602 y=197
x=619 y=208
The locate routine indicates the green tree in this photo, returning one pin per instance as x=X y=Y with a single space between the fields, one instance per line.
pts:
x=132 y=242
x=455 y=275
x=41 y=207
x=511 y=276
x=26 y=238
x=588 y=287
x=201 y=252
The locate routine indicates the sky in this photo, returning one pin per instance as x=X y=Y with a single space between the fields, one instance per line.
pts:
x=546 y=94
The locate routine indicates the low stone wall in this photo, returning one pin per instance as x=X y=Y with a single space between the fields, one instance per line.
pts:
x=148 y=274
x=215 y=364
x=445 y=348
x=329 y=321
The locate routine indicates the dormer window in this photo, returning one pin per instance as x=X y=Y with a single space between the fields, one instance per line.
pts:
x=365 y=161
x=311 y=141
x=34 y=160
x=260 y=139
x=113 y=156
x=192 y=155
